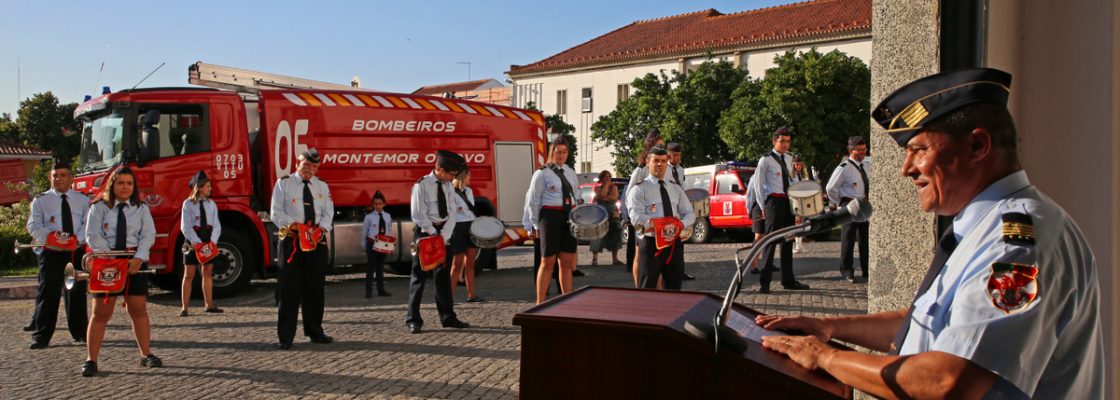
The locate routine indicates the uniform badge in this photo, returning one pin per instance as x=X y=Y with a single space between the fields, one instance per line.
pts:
x=552 y=189
x=293 y=202
x=653 y=208
x=106 y=226
x=1012 y=287
x=52 y=220
x=1018 y=228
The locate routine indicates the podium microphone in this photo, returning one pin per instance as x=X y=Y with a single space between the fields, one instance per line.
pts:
x=857 y=210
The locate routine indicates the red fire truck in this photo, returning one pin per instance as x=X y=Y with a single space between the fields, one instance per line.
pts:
x=726 y=184
x=247 y=137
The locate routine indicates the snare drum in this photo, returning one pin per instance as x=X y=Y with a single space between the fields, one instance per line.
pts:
x=589 y=221
x=806 y=199
x=385 y=244
x=487 y=232
x=700 y=201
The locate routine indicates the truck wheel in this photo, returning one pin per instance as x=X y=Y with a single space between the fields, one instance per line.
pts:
x=701 y=232
x=235 y=262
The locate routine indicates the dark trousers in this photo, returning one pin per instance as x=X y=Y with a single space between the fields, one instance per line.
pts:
x=444 y=303
x=631 y=240
x=537 y=267
x=778 y=216
x=52 y=266
x=667 y=263
x=486 y=259
x=375 y=269
x=299 y=283
x=849 y=233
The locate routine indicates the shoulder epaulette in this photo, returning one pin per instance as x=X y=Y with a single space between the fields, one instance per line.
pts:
x=285 y=177
x=1018 y=228
x=41 y=194
x=843 y=164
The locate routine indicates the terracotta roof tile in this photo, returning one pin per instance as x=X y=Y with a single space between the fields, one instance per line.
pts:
x=437 y=90
x=708 y=29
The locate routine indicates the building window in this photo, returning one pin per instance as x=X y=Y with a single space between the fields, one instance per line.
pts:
x=561 y=102
x=585 y=167
x=585 y=100
x=623 y=93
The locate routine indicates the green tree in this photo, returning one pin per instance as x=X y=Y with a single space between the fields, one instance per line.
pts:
x=42 y=122
x=823 y=97
x=692 y=111
x=556 y=125
x=9 y=131
x=626 y=126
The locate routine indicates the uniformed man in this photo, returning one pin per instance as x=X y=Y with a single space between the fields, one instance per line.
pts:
x=60 y=212
x=676 y=173
x=849 y=182
x=1010 y=305
x=773 y=185
x=639 y=174
x=657 y=197
x=301 y=198
x=431 y=212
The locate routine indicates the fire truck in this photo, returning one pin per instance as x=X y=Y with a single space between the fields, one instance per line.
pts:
x=245 y=128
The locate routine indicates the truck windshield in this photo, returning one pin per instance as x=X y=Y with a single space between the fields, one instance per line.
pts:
x=101 y=141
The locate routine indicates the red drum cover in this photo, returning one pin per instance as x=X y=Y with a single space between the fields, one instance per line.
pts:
x=431 y=252
x=309 y=237
x=108 y=275
x=666 y=230
x=61 y=241
x=205 y=252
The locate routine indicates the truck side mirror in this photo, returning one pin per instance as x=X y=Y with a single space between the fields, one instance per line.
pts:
x=736 y=189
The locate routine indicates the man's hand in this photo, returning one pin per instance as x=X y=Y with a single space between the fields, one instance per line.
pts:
x=134 y=265
x=807 y=325
x=807 y=351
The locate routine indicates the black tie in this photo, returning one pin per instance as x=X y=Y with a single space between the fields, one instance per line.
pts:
x=781 y=159
x=67 y=218
x=676 y=178
x=122 y=229
x=308 y=204
x=441 y=199
x=863 y=175
x=202 y=225
x=666 y=204
x=380 y=223
x=945 y=247
x=565 y=188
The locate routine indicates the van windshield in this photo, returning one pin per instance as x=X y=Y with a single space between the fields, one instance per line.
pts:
x=101 y=142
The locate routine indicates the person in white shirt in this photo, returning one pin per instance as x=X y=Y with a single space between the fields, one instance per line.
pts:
x=657 y=197
x=199 y=225
x=849 y=182
x=552 y=195
x=463 y=249
x=376 y=223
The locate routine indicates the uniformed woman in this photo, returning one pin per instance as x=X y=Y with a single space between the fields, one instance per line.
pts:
x=551 y=198
x=463 y=250
x=377 y=222
x=119 y=221
x=199 y=224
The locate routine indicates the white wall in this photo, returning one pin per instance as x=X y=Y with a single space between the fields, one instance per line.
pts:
x=758 y=62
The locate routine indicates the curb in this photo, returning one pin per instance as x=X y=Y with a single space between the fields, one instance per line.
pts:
x=19 y=292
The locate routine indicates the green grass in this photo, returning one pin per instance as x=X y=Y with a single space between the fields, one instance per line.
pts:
x=19 y=271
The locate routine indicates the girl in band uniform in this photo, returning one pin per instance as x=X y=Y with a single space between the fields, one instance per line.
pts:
x=199 y=224
x=463 y=250
x=551 y=198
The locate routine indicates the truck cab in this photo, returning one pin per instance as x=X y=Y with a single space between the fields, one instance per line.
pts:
x=726 y=184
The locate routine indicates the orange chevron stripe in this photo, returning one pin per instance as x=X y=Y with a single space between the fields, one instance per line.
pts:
x=369 y=101
x=425 y=104
x=397 y=102
x=453 y=107
x=311 y=100
x=509 y=114
x=342 y=101
x=481 y=110
x=536 y=117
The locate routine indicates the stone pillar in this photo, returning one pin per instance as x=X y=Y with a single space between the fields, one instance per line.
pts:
x=905 y=44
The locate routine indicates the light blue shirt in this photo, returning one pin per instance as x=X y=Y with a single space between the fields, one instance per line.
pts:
x=639 y=174
x=1048 y=347
x=101 y=228
x=191 y=218
x=644 y=201
x=753 y=197
x=846 y=181
x=546 y=190
x=679 y=180
x=770 y=173
x=623 y=213
x=425 y=205
x=462 y=211
x=287 y=202
x=46 y=214
x=371 y=226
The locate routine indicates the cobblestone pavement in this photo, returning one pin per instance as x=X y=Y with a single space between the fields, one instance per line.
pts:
x=230 y=355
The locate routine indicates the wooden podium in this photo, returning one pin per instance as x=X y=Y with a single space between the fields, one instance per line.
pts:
x=621 y=343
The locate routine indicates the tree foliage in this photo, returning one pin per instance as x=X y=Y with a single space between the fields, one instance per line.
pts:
x=41 y=123
x=693 y=108
x=626 y=126
x=823 y=97
x=556 y=125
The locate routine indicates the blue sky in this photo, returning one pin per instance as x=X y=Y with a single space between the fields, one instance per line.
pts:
x=393 y=46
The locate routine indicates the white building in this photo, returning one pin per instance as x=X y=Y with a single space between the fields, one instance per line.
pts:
x=587 y=81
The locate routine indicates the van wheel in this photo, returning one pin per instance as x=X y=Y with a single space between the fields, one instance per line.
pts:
x=234 y=265
x=701 y=231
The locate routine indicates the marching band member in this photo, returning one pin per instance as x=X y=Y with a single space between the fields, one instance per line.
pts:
x=659 y=248
x=119 y=221
x=58 y=213
x=850 y=181
x=200 y=227
x=377 y=223
x=773 y=186
x=432 y=197
x=551 y=198
x=639 y=174
x=302 y=198
x=463 y=250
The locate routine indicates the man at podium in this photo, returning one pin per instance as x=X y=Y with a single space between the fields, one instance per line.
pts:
x=1010 y=305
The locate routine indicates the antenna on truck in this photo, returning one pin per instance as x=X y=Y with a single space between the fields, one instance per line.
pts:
x=149 y=74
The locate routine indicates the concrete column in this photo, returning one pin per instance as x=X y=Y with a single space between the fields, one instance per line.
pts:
x=905 y=44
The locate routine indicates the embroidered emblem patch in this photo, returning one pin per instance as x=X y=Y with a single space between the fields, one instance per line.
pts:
x=1012 y=287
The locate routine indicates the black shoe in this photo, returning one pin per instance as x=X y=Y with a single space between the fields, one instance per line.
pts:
x=456 y=323
x=413 y=328
x=476 y=299
x=688 y=277
x=383 y=294
x=214 y=310
x=462 y=283
x=322 y=339
x=755 y=271
x=183 y=313
x=89 y=368
x=578 y=273
x=151 y=361
x=37 y=345
x=851 y=278
x=284 y=346
x=795 y=286
x=764 y=290
x=29 y=328
x=78 y=341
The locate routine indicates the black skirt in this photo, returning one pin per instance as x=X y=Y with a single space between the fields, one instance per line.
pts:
x=461 y=238
x=556 y=233
x=758 y=224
